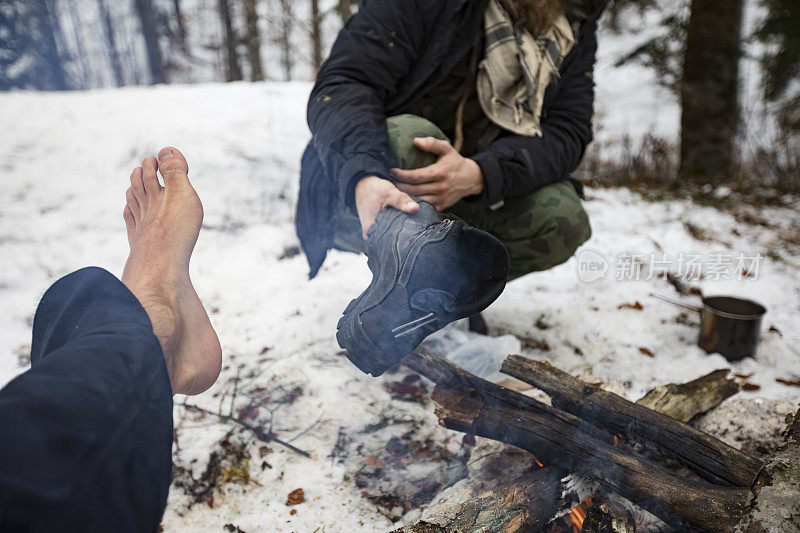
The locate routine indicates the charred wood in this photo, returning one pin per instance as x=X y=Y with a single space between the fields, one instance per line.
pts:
x=608 y=517
x=527 y=503
x=709 y=457
x=472 y=405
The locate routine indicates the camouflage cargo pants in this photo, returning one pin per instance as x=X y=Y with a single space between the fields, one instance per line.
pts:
x=540 y=230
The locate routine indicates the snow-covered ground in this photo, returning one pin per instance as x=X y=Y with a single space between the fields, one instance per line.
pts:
x=64 y=166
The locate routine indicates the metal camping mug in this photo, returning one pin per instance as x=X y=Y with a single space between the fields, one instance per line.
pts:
x=728 y=325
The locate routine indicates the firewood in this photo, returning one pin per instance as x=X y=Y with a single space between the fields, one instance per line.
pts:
x=684 y=401
x=709 y=457
x=472 y=405
x=527 y=503
x=777 y=489
x=608 y=517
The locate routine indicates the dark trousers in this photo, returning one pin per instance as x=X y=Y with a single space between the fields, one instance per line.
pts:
x=86 y=433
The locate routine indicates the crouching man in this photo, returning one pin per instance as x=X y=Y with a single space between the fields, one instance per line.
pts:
x=444 y=135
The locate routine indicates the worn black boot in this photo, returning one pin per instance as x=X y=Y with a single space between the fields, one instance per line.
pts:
x=426 y=273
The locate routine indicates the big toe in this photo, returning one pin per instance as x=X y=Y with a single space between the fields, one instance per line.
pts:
x=172 y=165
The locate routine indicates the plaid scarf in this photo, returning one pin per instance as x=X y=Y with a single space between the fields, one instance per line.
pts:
x=517 y=68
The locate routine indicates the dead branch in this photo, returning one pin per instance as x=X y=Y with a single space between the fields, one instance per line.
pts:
x=258 y=432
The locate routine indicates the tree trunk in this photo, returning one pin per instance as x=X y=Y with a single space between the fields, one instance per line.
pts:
x=181 y=26
x=709 y=89
x=56 y=78
x=253 y=40
x=233 y=72
x=284 y=38
x=111 y=42
x=147 y=20
x=316 y=35
x=86 y=74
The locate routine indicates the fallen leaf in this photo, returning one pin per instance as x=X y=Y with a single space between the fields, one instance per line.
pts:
x=293 y=512
x=636 y=306
x=264 y=450
x=646 y=351
x=791 y=383
x=248 y=413
x=374 y=461
x=743 y=376
x=295 y=497
x=411 y=388
x=537 y=344
x=750 y=387
x=773 y=329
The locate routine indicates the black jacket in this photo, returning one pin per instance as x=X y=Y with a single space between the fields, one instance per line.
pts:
x=384 y=58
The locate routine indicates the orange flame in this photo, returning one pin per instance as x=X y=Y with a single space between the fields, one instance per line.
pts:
x=578 y=514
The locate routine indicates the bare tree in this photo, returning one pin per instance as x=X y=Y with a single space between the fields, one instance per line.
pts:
x=316 y=35
x=710 y=89
x=284 y=27
x=81 y=58
x=49 y=28
x=147 y=20
x=111 y=41
x=253 y=40
x=181 y=26
x=233 y=71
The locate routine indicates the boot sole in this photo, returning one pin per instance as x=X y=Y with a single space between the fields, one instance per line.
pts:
x=369 y=358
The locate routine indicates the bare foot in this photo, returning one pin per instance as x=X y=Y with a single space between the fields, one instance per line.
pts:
x=163 y=224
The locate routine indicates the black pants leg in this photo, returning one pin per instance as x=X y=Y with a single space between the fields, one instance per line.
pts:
x=86 y=433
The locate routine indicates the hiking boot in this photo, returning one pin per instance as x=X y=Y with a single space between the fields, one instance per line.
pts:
x=426 y=273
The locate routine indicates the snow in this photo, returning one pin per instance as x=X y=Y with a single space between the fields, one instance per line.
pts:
x=65 y=161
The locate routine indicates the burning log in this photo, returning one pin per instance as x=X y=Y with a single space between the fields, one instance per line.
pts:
x=709 y=457
x=472 y=405
x=608 y=517
x=684 y=401
x=527 y=503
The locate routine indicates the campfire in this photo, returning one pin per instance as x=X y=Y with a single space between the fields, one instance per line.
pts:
x=594 y=435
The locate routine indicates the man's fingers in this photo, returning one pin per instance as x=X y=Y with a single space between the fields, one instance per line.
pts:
x=433 y=145
x=402 y=202
x=417 y=175
x=420 y=190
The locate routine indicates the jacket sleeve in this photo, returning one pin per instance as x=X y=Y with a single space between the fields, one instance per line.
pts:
x=515 y=165
x=376 y=48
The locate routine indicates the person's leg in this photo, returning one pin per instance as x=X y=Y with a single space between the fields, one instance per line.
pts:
x=540 y=230
x=402 y=130
x=87 y=431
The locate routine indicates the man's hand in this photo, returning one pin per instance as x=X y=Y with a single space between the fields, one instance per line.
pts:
x=374 y=194
x=445 y=182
